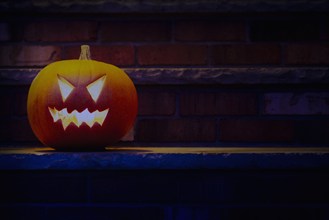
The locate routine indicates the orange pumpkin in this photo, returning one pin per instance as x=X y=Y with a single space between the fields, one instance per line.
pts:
x=81 y=104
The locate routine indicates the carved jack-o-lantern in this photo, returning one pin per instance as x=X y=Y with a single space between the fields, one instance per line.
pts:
x=81 y=104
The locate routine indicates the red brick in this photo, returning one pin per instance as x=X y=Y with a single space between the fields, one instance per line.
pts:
x=7 y=97
x=5 y=134
x=38 y=187
x=16 y=130
x=246 y=54
x=121 y=55
x=13 y=100
x=307 y=54
x=296 y=104
x=256 y=130
x=284 y=30
x=111 y=212
x=325 y=31
x=172 y=54
x=218 y=104
x=210 y=31
x=7 y=104
x=61 y=31
x=12 y=212
x=168 y=130
x=313 y=131
x=4 y=32
x=135 y=31
x=21 y=101
x=138 y=187
x=12 y=31
x=156 y=103
x=22 y=131
x=11 y=55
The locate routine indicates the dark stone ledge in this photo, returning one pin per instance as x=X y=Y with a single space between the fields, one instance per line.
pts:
x=162 y=158
x=181 y=76
x=156 y=6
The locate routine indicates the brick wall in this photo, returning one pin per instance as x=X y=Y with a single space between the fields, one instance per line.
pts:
x=271 y=113
x=163 y=40
x=164 y=195
x=208 y=73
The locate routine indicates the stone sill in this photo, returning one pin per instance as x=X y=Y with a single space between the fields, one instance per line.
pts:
x=165 y=158
x=185 y=76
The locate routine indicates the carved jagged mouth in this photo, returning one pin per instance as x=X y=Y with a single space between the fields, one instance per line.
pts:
x=77 y=118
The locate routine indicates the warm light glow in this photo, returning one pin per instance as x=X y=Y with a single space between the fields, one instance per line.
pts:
x=96 y=87
x=77 y=118
x=65 y=87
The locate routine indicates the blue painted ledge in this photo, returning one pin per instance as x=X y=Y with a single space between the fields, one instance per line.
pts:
x=165 y=158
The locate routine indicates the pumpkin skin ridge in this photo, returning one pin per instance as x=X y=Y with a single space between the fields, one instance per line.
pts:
x=85 y=77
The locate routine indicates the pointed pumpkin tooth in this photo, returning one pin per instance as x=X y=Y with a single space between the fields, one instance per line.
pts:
x=84 y=116
x=91 y=120
x=62 y=114
x=65 y=123
x=77 y=118
x=74 y=118
x=100 y=116
x=89 y=123
x=53 y=113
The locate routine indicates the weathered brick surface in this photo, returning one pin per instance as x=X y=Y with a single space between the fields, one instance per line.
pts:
x=11 y=55
x=4 y=32
x=121 y=55
x=61 y=31
x=106 y=212
x=168 y=130
x=307 y=54
x=16 y=129
x=21 y=130
x=5 y=133
x=8 y=102
x=269 y=213
x=20 y=212
x=156 y=103
x=43 y=187
x=135 y=31
x=135 y=194
x=172 y=54
x=296 y=103
x=313 y=131
x=210 y=30
x=218 y=104
x=324 y=34
x=284 y=30
x=14 y=101
x=238 y=54
x=104 y=188
x=20 y=99
x=256 y=130
x=250 y=50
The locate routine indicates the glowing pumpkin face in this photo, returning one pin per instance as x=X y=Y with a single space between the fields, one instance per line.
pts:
x=81 y=104
x=76 y=117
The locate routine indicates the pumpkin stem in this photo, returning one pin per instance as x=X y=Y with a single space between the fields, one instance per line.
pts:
x=85 y=53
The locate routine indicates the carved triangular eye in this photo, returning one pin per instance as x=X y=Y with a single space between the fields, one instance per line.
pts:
x=65 y=87
x=96 y=87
